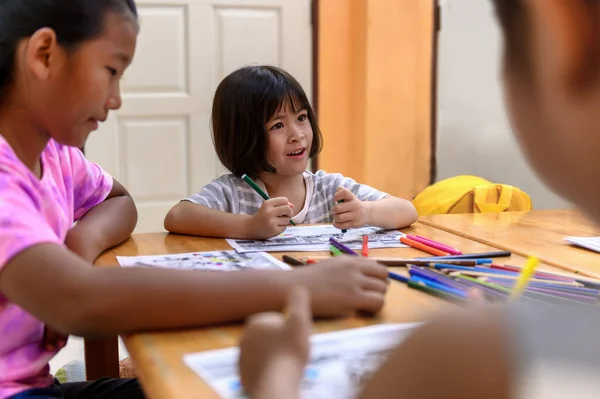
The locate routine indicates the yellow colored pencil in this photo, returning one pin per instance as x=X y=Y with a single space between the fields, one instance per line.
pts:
x=524 y=277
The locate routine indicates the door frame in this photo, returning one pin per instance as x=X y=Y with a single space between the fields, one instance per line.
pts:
x=314 y=21
x=434 y=69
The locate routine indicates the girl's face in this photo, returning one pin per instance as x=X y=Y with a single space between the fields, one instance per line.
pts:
x=290 y=137
x=81 y=87
x=554 y=99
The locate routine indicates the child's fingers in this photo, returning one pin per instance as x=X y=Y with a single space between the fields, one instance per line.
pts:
x=279 y=201
x=284 y=211
x=343 y=207
x=298 y=309
x=344 y=226
x=342 y=193
x=343 y=217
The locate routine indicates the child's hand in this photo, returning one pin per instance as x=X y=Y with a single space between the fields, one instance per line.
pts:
x=272 y=218
x=350 y=213
x=344 y=284
x=273 y=343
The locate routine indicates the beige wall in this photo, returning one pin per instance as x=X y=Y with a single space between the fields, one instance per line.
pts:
x=474 y=135
x=375 y=91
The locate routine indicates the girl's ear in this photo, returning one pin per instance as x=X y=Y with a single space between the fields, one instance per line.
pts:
x=41 y=51
x=564 y=38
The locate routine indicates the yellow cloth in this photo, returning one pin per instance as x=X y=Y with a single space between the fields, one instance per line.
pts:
x=470 y=194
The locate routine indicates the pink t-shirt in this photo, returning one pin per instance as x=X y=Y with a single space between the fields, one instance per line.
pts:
x=35 y=211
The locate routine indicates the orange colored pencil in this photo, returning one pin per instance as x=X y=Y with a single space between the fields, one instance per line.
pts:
x=422 y=247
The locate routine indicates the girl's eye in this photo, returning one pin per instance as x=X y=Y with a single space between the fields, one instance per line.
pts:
x=302 y=117
x=112 y=71
x=277 y=126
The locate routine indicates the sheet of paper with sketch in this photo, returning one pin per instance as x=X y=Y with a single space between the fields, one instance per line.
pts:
x=208 y=261
x=316 y=238
x=339 y=363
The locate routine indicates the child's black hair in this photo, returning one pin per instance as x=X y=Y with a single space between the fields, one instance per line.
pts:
x=73 y=21
x=244 y=102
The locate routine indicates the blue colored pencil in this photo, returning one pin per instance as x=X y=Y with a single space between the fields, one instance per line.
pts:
x=441 y=287
x=431 y=275
x=398 y=277
x=486 y=255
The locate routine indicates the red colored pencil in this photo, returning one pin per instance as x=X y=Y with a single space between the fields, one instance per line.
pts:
x=365 y=246
x=422 y=247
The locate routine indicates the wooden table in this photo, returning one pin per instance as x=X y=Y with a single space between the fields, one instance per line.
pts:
x=158 y=356
x=538 y=233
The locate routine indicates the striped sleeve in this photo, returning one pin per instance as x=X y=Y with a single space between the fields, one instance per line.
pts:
x=219 y=194
x=331 y=182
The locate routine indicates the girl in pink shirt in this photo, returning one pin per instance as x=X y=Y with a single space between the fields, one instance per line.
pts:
x=60 y=66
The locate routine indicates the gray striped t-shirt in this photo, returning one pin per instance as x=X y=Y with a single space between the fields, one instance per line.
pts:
x=231 y=194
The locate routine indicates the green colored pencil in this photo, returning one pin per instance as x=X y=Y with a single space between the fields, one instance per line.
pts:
x=260 y=192
x=335 y=251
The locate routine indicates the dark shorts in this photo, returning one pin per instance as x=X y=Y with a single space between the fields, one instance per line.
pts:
x=104 y=388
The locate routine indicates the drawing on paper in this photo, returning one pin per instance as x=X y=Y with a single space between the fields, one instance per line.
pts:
x=209 y=261
x=316 y=238
x=340 y=362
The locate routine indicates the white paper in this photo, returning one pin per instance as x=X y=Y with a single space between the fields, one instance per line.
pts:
x=316 y=238
x=592 y=243
x=339 y=362
x=210 y=261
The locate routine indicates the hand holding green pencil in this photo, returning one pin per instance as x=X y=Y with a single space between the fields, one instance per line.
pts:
x=273 y=216
x=349 y=211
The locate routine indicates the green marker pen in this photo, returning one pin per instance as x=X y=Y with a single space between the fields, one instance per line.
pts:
x=260 y=192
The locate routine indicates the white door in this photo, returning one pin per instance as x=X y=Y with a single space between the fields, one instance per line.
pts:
x=159 y=144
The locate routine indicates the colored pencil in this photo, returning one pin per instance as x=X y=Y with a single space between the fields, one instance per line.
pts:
x=435 y=244
x=584 y=280
x=421 y=286
x=260 y=192
x=495 y=254
x=437 y=277
x=341 y=247
x=422 y=247
x=290 y=260
x=339 y=202
x=365 y=246
x=539 y=284
x=528 y=295
x=441 y=287
x=398 y=277
x=526 y=273
x=484 y=270
x=404 y=261
x=335 y=251
x=486 y=277
x=490 y=293
x=537 y=273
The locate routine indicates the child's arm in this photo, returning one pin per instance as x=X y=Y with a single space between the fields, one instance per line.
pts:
x=274 y=350
x=62 y=290
x=389 y=212
x=199 y=220
x=105 y=225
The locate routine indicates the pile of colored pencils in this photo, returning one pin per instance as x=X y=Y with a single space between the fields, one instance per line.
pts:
x=501 y=283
